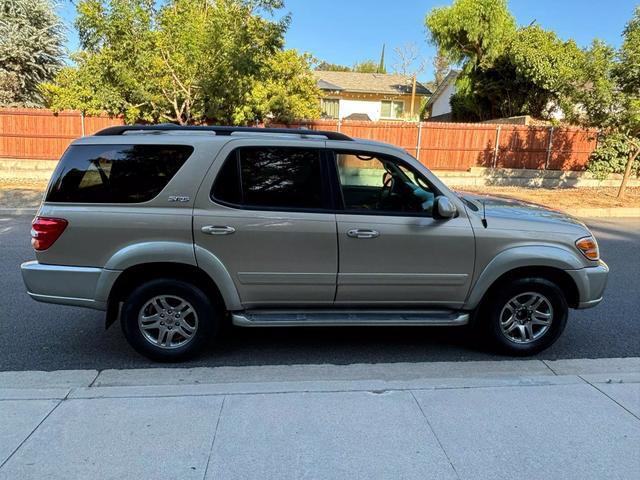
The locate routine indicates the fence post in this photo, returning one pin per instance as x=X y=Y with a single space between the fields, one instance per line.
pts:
x=549 y=147
x=419 y=141
x=82 y=122
x=496 y=147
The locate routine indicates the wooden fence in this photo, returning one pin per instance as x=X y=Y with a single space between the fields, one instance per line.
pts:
x=40 y=134
x=460 y=146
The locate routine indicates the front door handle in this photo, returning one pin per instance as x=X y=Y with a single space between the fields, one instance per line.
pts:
x=217 y=229
x=363 y=233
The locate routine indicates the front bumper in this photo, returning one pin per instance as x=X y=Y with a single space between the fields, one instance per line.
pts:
x=591 y=282
x=64 y=285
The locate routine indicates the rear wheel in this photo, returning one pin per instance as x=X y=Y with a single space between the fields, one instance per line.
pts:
x=168 y=319
x=525 y=316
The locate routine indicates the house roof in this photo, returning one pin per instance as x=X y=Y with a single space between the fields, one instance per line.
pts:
x=367 y=83
x=442 y=86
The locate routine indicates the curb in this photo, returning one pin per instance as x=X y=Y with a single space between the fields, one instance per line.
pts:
x=279 y=377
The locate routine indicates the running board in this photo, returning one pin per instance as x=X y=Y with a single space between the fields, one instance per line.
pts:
x=336 y=318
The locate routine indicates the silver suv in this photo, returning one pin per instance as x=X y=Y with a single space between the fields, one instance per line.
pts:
x=177 y=230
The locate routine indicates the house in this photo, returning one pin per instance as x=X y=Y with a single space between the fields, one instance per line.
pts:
x=369 y=96
x=439 y=104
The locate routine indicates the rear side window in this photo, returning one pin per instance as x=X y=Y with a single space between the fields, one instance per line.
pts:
x=115 y=173
x=271 y=177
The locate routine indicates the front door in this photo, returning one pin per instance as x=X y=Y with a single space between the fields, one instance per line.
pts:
x=267 y=221
x=392 y=250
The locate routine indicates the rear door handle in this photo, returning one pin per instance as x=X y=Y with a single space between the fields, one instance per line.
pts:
x=363 y=233
x=217 y=229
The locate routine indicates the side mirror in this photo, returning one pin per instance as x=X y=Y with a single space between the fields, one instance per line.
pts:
x=443 y=208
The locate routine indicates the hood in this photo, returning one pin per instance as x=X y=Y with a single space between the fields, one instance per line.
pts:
x=536 y=217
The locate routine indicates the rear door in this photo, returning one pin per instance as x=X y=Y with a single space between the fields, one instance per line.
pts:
x=392 y=250
x=265 y=214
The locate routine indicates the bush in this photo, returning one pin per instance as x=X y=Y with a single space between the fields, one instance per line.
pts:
x=611 y=156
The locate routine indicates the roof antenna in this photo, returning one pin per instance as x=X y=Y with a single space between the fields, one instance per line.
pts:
x=484 y=215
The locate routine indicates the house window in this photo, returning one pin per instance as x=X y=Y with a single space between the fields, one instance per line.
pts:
x=392 y=109
x=330 y=107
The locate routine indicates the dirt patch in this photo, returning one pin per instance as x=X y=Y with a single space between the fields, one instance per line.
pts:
x=565 y=198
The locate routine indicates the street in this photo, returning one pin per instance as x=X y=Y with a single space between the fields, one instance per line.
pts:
x=35 y=336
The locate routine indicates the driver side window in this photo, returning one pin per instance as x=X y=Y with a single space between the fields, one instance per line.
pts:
x=380 y=184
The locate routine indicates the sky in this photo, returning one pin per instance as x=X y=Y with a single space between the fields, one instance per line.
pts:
x=349 y=31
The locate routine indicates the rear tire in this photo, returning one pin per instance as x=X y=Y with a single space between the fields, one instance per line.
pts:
x=525 y=316
x=168 y=320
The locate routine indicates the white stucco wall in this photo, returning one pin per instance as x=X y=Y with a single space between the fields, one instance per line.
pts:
x=371 y=108
x=441 y=105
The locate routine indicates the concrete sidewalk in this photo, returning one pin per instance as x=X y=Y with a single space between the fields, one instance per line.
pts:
x=525 y=419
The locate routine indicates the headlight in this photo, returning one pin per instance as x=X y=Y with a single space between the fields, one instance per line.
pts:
x=589 y=247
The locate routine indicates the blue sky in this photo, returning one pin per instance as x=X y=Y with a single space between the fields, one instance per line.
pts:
x=347 y=31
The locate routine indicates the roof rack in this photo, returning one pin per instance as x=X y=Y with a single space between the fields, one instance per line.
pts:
x=219 y=130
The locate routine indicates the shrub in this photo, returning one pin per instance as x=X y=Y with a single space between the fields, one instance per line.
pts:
x=611 y=156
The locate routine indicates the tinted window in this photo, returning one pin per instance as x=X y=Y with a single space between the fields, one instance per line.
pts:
x=115 y=173
x=271 y=177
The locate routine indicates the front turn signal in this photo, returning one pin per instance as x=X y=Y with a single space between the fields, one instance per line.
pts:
x=589 y=247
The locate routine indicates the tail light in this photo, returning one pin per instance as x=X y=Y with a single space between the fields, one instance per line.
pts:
x=45 y=231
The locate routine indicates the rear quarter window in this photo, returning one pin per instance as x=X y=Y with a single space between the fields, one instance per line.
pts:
x=115 y=173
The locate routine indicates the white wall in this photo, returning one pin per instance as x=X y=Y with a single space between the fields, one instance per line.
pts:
x=370 y=107
x=442 y=105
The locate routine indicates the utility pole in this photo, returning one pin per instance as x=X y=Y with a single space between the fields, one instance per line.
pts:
x=413 y=95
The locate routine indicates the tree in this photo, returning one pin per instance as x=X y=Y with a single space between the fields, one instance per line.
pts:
x=533 y=75
x=627 y=73
x=332 y=67
x=381 y=67
x=186 y=61
x=283 y=96
x=441 y=67
x=366 y=66
x=31 y=49
x=607 y=95
x=472 y=32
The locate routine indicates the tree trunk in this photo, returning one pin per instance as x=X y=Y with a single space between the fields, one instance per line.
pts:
x=627 y=172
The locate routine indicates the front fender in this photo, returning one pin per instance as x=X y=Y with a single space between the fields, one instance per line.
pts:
x=518 y=257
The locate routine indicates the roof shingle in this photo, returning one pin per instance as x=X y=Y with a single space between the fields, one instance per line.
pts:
x=368 y=82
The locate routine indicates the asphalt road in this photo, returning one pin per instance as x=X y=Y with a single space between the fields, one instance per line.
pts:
x=36 y=336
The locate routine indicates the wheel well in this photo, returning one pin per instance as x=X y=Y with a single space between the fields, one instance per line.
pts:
x=138 y=274
x=555 y=275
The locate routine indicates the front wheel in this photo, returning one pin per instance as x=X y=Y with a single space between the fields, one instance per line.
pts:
x=168 y=320
x=526 y=316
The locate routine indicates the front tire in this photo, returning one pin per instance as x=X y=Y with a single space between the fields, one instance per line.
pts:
x=168 y=320
x=525 y=316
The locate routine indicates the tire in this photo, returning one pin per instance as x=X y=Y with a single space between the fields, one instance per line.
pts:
x=168 y=320
x=514 y=327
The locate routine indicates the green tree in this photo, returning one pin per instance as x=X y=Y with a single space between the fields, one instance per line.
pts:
x=471 y=32
x=185 y=61
x=31 y=49
x=366 y=66
x=283 y=96
x=607 y=96
x=332 y=67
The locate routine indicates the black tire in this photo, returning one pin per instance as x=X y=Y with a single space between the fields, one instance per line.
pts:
x=489 y=316
x=206 y=315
